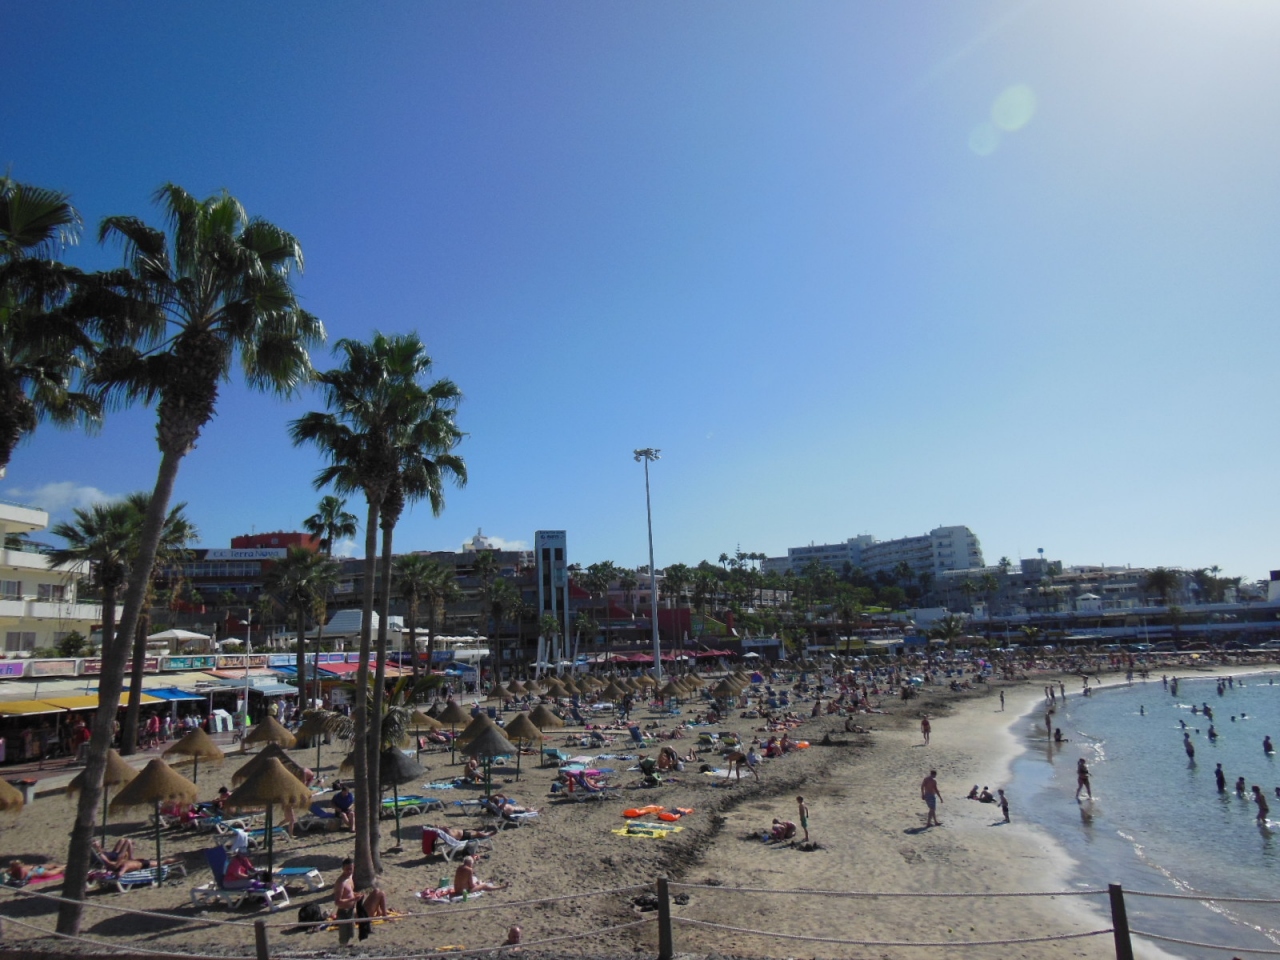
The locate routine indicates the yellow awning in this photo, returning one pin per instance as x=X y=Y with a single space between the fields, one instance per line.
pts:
x=89 y=701
x=23 y=708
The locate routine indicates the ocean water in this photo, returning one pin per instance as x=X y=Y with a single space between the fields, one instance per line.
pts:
x=1157 y=821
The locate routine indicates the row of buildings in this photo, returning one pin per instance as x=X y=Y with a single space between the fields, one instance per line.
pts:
x=940 y=550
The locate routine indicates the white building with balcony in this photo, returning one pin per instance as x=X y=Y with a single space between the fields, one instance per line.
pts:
x=38 y=604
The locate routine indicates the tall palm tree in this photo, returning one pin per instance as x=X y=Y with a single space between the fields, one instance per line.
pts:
x=485 y=569
x=1162 y=582
x=177 y=533
x=42 y=349
x=184 y=308
x=388 y=436
x=102 y=536
x=411 y=573
x=628 y=582
x=503 y=597
x=440 y=588
x=331 y=523
x=299 y=579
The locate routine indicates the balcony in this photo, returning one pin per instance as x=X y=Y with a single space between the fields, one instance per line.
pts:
x=49 y=610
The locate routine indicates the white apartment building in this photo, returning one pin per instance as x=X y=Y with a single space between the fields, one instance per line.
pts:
x=939 y=550
x=37 y=603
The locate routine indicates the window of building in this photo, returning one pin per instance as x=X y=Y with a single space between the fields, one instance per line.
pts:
x=10 y=589
x=17 y=640
x=51 y=591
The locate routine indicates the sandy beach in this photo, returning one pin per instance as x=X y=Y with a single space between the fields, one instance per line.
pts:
x=866 y=817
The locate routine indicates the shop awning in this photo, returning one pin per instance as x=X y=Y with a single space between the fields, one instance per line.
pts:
x=172 y=693
x=89 y=701
x=239 y=674
x=26 y=708
x=273 y=690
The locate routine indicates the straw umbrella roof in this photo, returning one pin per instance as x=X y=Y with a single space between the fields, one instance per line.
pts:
x=198 y=745
x=542 y=718
x=435 y=709
x=118 y=772
x=490 y=743
x=613 y=692
x=477 y=726
x=271 y=784
x=645 y=680
x=722 y=689
x=569 y=685
x=453 y=714
x=522 y=728
x=270 y=730
x=313 y=724
x=10 y=797
x=554 y=688
x=420 y=721
x=272 y=751
x=395 y=768
x=514 y=688
x=671 y=690
x=157 y=783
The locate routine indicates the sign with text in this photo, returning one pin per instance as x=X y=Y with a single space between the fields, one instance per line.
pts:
x=149 y=665
x=12 y=668
x=189 y=663
x=248 y=553
x=53 y=668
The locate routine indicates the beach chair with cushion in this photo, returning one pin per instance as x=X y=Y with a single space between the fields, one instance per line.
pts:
x=308 y=876
x=410 y=805
x=320 y=817
x=445 y=844
x=580 y=791
x=147 y=877
x=638 y=738
x=273 y=895
x=553 y=757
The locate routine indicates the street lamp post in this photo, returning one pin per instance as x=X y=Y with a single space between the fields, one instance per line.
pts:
x=647 y=454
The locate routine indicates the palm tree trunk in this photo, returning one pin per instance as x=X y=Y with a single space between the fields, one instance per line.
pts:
x=413 y=638
x=132 y=710
x=365 y=874
x=301 y=661
x=110 y=682
x=379 y=690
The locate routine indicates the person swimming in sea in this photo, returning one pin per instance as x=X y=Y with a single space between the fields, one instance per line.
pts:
x=1266 y=745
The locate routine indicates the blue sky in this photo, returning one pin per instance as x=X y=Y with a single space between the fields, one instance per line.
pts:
x=853 y=267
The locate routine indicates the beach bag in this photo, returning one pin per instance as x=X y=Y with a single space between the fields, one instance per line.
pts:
x=310 y=913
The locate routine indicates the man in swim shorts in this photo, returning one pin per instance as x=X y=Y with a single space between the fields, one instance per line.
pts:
x=930 y=795
x=804 y=817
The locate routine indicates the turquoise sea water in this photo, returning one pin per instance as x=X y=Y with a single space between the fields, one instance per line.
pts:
x=1157 y=821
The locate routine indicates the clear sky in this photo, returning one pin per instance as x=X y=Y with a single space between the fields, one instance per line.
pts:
x=854 y=267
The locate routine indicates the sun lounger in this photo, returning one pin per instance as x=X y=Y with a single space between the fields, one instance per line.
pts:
x=309 y=876
x=410 y=805
x=552 y=756
x=273 y=895
x=147 y=877
x=445 y=844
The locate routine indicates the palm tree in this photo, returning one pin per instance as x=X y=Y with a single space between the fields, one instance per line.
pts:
x=411 y=572
x=598 y=578
x=503 y=597
x=485 y=568
x=331 y=523
x=549 y=627
x=42 y=349
x=949 y=629
x=1162 y=582
x=628 y=582
x=102 y=536
x=300 y=579
x=178 y=531
x=388 y=436
x=990 y=587
x=440 y=588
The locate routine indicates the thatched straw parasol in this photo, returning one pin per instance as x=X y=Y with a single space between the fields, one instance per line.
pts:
x=613 y=692
x=571 y=686
x=435 y=709
x=514 y=689
x=397 y=769
x=646 y=680
x=157 y=783
x=269 y=730
x=314 y=725
x=554 y=688
x=452 y=714
x=10 y=797
x=722 y=690
x=479 y=723
x=521 y=728
x=269 y=752
x=543 y=718
x=117 y=774
x=418 y=722
x=671 y=691
x=271 y=785
x=487 y=745
x=197 y=745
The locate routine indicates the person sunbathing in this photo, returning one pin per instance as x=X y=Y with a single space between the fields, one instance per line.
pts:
x=467 y=833
x=20 y=873
x=122 y=859
x=466 y=881
x=504 y=806
x=782 y=830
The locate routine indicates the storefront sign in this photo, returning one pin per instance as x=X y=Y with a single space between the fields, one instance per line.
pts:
x=236 y=661
x=94 y=667
x=281 y=660
x=12 y=668
x=53 y=668
x=248 y=553
x=189 y=663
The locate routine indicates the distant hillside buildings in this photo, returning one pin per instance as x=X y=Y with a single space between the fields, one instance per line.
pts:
x=939 y=550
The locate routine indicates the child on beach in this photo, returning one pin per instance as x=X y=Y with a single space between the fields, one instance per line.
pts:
x=804 y=817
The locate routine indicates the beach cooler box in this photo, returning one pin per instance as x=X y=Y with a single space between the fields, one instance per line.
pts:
x=428 y=840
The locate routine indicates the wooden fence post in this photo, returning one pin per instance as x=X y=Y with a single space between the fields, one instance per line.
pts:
x=1120 y=923
x=666 y=947
x=260 y=940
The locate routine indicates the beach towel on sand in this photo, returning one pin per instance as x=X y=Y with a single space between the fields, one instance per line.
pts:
x=651 y=831
x=444 y=895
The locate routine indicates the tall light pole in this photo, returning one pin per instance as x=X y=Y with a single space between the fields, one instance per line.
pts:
x=647 y=454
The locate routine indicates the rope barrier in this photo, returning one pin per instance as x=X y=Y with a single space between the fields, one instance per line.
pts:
x=1204 y=946
x=503 y=905
x=1197 y=896
x=129 y=948
x=860 y=893
x=890 y=943
x=112 y=907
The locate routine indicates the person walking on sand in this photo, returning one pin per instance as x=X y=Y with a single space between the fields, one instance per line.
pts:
x=925 y=730
x=1082 y=779
x=930 y=795
x=1002 y=701
x=1004 y=805
x=804 y=816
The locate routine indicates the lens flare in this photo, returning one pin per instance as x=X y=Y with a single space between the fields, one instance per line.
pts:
x=1014 y=108
x=984 y=138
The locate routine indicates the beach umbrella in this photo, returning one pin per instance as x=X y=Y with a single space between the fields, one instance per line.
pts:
x=157 y=783
x=197 y=745
x=434 y=710
x=418 y=722
x=314 y=724
x=513 y=688
x=543 y=717
x=722 y=690
x=117 y=774
x=489 y=744
x=10 y=797
x=569 y=686
x=554 y=688
x=397 y=769
x=646 y=680
x=479 y=723
x=671 y=691
x=613 y=692
x=270 y=730
x=269 y=752
x=521 y=728
x=271 y=785
x=452 y=714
